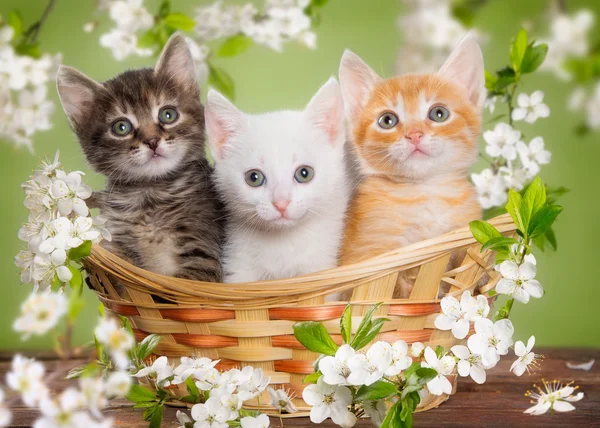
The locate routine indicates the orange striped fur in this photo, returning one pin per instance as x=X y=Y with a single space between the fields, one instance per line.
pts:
x=403 y=198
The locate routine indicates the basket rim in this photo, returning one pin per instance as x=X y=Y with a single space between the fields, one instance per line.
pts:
x=410 y=255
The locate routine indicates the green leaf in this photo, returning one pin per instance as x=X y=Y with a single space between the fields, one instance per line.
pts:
x=82 y=371
x=492 y=293
x=439 y=351
x=314 y=337
x=541 y=222
x=425 y=373
x=180 y=21
x=553 y=193
x=235 y=45
x=80 y=252
x=157 y=415
x=220 y=80
x=145 y=405
x=518 y=49
x=165 y=8
x=535 y=195
x=506 y=77
x=364 y=337
x=415 y=400
x=312 y=378
x=483 y=231
x=76 y=281
x=191 y=387
x=551 y=238
x=514 y=209
x=534 y=57
x=501 y=255
x=15 y=20
x=412 y=369
x=392 y=419
x=364 y=328
x=148 y=40
x=490 y=82
x=29 y=49
x=346 y=324
x=148 y=345
x=138 y=394
x=376 y=391
x=500 y=242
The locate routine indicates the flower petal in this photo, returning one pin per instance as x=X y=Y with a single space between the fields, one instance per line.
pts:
x=478 y=374
x=443 y=322
x=461 y=352
x=563 y=406
x=464 y=368
x=460 y=329
x=534 y=288
x=527 y=271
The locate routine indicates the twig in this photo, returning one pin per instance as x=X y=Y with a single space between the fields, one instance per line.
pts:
x=32 y=32
x=562 y=5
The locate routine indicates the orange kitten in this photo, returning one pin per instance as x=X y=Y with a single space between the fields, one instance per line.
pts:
x=416 y=138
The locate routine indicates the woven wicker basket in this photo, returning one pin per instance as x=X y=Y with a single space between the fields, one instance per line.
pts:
x=251 y=324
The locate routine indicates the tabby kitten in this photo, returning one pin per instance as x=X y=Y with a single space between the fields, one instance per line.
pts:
x=283 y=179
x=144 y=130
x=416 y=137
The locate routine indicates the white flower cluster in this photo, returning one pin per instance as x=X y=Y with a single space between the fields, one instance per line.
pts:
x=129 y=17
x=24 y=105
x=554 y=396
x=281 y=21
x=58 y=222
x=73 y=407
x=227 y=391
x=569 y=38
x=429 y=33
x=330 y=396
x=519 y=162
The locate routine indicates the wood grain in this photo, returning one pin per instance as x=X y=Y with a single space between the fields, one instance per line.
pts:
x=497 y=403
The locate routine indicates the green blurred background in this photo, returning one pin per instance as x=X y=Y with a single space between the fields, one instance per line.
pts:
x=568 y=315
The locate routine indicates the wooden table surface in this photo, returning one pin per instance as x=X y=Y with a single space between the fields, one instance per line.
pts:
x=497 y=403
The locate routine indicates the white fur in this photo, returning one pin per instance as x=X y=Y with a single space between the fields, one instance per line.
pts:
x=260 y=243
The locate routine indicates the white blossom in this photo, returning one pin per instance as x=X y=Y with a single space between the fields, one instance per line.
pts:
x=518 y=281
x=527 y=361
x=370 y=367
x=501 y=142
x=555 y=396
x=444 y=366
x=491 y=340
x=117 y=340
x=329 y=401
x=210 y=414
x=160 y=370
x=400 y=359
x=118 y=384
x=254 y=385
x=46 y=267
x=261 y=421
x=335 y=369
x=416 y=349
x=40 y=313
x=530 y=107
x=454 y=314
x=376 y=410
x=122 y=44
x=490 y=187
x=469 y=364
x=5 y=413
x=281 y=400
x=183 y=419
x=26 y=377
x=130 y=15
x=190 y=365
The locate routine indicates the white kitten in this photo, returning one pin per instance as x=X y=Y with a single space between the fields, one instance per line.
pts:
x=283 y=179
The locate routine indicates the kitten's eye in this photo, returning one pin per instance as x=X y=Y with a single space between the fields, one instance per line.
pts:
x=304 y=174
x=167 y=115
x=438 y=114
x=387 y=120
x=122 y=127
x=255 y=178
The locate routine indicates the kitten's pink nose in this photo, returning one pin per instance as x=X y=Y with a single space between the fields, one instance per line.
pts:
x=415 y=137
x=152 y=143
x=281 y=205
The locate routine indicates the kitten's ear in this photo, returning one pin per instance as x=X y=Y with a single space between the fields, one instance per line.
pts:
x=176 y=64
x=76 y=92
x=326 y=111
x=465 y=66
x=356 y=79
x=223 y=120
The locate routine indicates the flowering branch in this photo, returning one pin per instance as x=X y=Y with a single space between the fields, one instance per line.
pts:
x=32 y=32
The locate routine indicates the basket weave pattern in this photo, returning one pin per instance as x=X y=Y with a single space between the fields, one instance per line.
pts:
x=251 y=324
